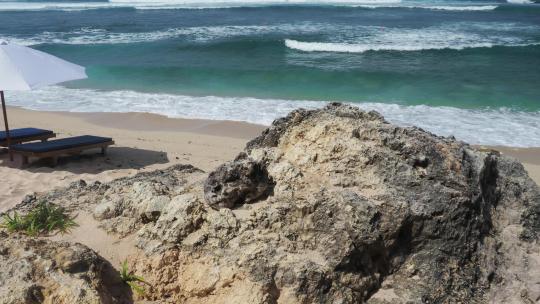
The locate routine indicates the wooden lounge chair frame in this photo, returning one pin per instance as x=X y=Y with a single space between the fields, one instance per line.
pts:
x=53 y=155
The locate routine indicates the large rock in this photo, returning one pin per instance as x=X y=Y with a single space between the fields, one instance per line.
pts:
x=40 y=271
x=382 y=213
x=333 y=205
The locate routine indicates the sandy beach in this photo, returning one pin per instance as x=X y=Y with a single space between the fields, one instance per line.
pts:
x=143 y=142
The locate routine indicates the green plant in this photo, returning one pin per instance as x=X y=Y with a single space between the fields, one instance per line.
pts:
x=44 y=218
x=135 y=282
x=13 y=223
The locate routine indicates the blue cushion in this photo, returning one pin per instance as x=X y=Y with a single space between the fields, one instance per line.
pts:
x=23 y=133
x=60 y=144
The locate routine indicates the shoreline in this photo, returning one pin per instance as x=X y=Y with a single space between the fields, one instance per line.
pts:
x=144 y=142
x=152 y=122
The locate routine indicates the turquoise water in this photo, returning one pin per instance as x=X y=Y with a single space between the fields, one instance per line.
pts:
x=403 y=58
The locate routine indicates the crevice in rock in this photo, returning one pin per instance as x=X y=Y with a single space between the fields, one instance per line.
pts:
x=489 y=195
x=273 y=292
x=239 y=182
x=488 y=180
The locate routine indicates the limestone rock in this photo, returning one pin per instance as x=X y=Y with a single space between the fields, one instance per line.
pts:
x=41 y=271
x=237 y=182
x=333 y=205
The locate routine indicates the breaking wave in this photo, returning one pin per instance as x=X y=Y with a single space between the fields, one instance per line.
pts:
x=198 y=4
x=360 y=48
x=342 y=38
x=519 y=1
x=456 y=36
x=459 y=8
x=512 y=127
x=176 y=4
x=205 y=33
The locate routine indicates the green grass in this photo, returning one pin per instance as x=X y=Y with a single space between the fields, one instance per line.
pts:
x=135 y=282
x=43 y=219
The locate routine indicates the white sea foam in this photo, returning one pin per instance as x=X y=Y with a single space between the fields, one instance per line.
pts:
x=432 y=7
x=198 y=4
x=361 y=48
x=341 y=38
x=63 y=6
x=519 y=1
x=459 y=7
x=487 y=126
x=177 y=4
x=242 y=2
x=204 y=33
x=204 y=4
x=455 y=36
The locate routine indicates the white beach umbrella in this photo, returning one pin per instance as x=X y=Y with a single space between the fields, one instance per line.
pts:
x=23 y=68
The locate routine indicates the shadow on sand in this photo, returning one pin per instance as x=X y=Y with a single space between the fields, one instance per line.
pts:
x=91 y=161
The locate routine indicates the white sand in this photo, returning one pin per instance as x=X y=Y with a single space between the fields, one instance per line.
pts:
x=143 y=142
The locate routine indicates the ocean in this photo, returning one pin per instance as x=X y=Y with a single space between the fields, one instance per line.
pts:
x=470 y=69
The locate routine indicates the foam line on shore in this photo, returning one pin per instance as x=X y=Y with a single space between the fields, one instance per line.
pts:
x=501 y=126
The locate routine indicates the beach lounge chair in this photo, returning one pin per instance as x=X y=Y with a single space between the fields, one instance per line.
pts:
x=25 y=135
x=58 y=147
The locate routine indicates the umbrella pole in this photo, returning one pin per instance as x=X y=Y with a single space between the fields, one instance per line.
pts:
x=8 y=138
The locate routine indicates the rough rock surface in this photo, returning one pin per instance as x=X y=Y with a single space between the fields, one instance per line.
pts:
x=126 y=204
x=39 y=271
x=331 y=206
x=237 y=182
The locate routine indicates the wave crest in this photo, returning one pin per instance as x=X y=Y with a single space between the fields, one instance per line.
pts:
x=460 y=8
x=202 y=33
x=520 y=1
x=353 y=39
x=361 y=48
x=456 y=36
x=198 y=4
x=175 y=4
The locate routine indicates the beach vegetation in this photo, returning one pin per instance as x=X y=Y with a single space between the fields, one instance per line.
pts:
x=43 y=219
x=134 y=281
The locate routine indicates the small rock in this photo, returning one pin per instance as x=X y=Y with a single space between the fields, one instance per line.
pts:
x=106 y=210
x=236 y=183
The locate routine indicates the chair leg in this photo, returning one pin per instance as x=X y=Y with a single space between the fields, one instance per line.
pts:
x=24 y=160
x=103 y=150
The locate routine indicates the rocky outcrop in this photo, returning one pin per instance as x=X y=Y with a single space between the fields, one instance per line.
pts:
x=40 y=271
x=124 y=205
x=397 y=214
x=334 y=205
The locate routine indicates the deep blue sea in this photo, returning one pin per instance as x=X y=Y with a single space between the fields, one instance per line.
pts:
x=465 y=68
